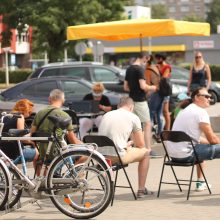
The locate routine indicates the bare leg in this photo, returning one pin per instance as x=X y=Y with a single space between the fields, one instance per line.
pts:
x=166 y=115
x=142 y=172
x=147 y=135
x=199 y=172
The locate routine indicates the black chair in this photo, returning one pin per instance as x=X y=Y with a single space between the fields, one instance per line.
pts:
x=179 y=136
x=75 y=120
x=103 y=141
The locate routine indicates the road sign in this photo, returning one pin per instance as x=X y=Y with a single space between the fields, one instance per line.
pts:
x=80 y=48
x=199 y=44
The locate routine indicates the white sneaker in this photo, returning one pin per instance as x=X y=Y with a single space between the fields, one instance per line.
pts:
x=201 y=186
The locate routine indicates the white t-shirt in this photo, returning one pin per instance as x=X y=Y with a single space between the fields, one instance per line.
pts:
x=118 y=126
x=187 y=121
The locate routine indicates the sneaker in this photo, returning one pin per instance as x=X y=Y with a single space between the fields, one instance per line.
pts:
x=157 y=138
x=143 y=193
x=153 y=154
x=201 y=186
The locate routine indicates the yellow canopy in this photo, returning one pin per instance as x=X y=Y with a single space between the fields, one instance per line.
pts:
x=135 y=28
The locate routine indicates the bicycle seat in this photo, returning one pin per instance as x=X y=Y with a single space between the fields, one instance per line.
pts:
x=60 y=122
x=18 y=132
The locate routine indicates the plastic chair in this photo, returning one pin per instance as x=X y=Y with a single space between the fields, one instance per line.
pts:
x=103 y=141
x=179 y=136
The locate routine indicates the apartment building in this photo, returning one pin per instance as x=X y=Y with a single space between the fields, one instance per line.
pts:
x=178 y=9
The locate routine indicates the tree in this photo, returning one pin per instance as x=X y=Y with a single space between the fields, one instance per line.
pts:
x=158 y=11
x=193 y=18
x=50 y=19
x=213 y=16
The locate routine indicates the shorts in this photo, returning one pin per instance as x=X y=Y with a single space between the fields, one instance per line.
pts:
x=141 y=109
x=166 y=99
x=132 y=154
x=29 y=154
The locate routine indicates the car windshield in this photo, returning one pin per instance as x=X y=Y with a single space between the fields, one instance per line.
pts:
x=179 y=73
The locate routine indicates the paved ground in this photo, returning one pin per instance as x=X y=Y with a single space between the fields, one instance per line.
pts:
x=171 y=205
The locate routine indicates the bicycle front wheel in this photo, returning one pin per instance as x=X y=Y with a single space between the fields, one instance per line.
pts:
x=4 y=187
x=83 y=190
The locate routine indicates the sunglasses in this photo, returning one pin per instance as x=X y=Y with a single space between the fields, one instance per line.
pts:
x=206 y=96
x=197 y=57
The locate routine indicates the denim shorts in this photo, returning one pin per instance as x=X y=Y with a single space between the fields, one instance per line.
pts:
x=29 y=154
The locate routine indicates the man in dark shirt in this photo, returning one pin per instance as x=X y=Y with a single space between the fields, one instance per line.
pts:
x=135 y=84
x=104 y=105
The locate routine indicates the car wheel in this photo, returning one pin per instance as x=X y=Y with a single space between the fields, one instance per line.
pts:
x=214 y=97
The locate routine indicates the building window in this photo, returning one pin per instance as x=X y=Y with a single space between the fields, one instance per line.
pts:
x=184 y=8
x=172 y=9
x=184 y=1
x=197 y=8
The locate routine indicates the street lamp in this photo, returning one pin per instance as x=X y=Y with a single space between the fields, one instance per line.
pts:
x=6 y=50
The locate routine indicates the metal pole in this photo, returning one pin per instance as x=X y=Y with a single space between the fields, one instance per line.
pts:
x=45 y=57
x=149 y=45
x=65 y=55
x=6 y=68
x=141 y=43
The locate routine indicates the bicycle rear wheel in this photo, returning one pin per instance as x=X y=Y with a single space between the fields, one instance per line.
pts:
x=4 y=187
x=80 y=191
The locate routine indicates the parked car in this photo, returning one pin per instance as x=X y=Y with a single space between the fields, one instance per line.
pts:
x=110 y=76
x=37 y=90
x=180 y=76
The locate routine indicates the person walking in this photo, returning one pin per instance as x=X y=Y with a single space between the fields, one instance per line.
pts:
x=137 y=87
x=200 y=74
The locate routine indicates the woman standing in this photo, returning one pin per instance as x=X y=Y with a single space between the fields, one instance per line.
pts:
x=200 y=74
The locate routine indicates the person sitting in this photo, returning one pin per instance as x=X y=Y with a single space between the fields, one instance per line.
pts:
x=24 y=108
x=194 y=121
x=43 y=124
x=119 y=125
x=86 y=124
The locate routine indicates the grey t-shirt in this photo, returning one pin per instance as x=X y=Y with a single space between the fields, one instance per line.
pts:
x=118 y=126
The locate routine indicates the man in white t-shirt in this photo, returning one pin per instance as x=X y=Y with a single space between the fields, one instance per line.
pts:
x=119 y=125
x=194 y=121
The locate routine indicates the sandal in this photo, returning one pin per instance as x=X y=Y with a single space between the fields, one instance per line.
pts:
x=143 y=193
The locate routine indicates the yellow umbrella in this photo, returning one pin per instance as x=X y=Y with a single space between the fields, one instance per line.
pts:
x=137 y=28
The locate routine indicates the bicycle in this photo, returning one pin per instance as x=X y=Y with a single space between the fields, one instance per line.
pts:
x=82 y=190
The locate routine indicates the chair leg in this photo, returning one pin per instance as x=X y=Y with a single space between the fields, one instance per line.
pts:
x=190 y=183
x=177 y=181
x=161 y=177
x=115 y=183
x=135 y=197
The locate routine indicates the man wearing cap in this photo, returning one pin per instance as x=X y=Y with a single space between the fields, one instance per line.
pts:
x=104 y=105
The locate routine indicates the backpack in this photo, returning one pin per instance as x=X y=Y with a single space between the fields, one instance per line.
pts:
x=165 y=87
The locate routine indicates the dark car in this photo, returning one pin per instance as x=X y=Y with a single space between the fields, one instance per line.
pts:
x=180 y=76
x=37 y=90
x=110 y=76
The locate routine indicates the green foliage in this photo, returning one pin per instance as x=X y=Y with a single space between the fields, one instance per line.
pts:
x=15 y=76
x=213 y=16
x=194 y=18
x=159 y=11
x=50 y=19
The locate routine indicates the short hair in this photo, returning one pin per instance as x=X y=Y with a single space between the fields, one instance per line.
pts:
x=98 y=87
x=196 y=92
x=56 y=94
x=125 y=101
x=142 y=55
x=160 y=55
x=23 y=106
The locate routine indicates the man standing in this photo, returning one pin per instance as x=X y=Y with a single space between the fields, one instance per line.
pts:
x=194 y=120
x=119 y=125
x=135 y=84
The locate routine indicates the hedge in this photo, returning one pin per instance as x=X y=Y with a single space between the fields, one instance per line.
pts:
x=15 y=76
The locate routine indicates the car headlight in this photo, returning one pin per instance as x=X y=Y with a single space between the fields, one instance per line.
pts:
x=217 y=85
